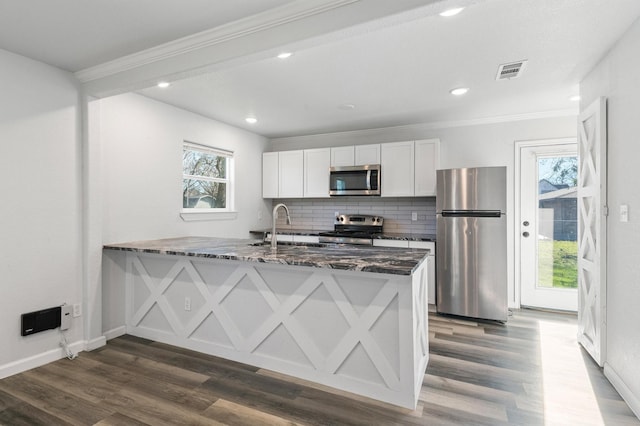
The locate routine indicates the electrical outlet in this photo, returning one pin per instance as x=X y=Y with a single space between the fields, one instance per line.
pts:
x=187 y=303
x=77 y=310
x=414 y=216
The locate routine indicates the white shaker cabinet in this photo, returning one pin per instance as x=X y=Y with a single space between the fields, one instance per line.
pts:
x=427 y=155
x=290 y=174
x=367 y=154
x=397 y=160
x=270 y=175
x=358 y=155
x=408 y=168
x=342 y=156
x=316 y=172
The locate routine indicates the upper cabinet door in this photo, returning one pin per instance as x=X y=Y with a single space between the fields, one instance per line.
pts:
x=397 y=160
x=270 y=175
x=316 y=172
x=367 y=154
x=291 y=174
x=342 y=156
x=427 y=159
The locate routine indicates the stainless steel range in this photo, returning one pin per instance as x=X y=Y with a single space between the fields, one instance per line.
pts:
x=353 y=229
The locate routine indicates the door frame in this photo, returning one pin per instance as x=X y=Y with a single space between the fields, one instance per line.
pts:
x=519 y=145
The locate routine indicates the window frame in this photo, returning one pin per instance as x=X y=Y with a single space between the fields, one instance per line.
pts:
x=228 y=212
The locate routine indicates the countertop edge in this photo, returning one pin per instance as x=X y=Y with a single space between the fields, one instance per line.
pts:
x=372 y=260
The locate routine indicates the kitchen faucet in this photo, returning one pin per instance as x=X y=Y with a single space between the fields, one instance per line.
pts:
x=274 y=240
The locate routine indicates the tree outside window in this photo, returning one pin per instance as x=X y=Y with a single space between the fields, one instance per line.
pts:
x=205 y=183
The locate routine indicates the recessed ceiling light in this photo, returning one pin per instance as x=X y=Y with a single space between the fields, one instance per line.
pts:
x=284 y=55
x=451 y=12
x=575 y=98
x=164 y=84
x=251 y=120
x=459 y=91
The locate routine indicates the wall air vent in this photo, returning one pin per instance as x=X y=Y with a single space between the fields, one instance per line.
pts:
x=510 y=70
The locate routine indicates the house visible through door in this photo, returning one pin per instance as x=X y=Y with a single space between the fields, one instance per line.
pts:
x=548 y=226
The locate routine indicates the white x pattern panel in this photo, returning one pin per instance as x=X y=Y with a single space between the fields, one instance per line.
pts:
x=592 y=229
x=361 y=346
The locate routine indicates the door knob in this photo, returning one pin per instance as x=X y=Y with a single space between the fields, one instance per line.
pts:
x=525 y=234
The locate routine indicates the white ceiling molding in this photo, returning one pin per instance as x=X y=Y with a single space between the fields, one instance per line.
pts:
x=271 y=18
x=569 y=112
x=370 y=134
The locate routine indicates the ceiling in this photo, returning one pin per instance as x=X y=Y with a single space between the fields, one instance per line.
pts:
x=367 y=76
x=78 y=34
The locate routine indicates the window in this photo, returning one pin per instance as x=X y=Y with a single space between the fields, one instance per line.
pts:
x=206 y=183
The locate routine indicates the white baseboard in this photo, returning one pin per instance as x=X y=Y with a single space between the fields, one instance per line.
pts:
x=38 y=360
x=115 y=332
x=95 y=343
x=632 y=400
x=52 y=355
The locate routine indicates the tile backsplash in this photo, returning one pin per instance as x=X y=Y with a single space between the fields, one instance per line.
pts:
x=319 y=213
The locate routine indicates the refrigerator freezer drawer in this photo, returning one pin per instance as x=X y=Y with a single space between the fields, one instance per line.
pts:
x=472 y=267
x=482 y=188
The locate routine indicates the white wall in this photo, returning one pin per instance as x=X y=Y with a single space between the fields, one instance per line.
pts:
x=463 y=146
x=40 y=185
x=617 y=78
x=141 y=142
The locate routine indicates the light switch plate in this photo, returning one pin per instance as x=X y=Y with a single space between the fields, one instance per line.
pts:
x=65 y=317
x=624 y=213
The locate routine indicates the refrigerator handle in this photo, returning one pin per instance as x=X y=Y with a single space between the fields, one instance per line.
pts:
x=471 y=213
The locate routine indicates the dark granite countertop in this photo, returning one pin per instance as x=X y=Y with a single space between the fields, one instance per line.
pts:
x=344 y=257
x=383 y=236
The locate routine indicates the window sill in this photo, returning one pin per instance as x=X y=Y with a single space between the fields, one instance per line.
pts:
x=192 y=216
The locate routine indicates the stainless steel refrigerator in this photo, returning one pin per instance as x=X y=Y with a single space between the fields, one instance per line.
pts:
x=471 y=260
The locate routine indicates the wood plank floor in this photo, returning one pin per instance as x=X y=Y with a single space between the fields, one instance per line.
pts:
x=528 y=372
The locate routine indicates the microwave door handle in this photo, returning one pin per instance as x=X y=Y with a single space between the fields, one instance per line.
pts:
x=368 y=180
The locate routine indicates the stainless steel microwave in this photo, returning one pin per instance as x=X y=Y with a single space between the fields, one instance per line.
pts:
x=355 y=180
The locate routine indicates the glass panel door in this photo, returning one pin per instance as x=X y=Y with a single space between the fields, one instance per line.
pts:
x=558 y=222
x=548 y=226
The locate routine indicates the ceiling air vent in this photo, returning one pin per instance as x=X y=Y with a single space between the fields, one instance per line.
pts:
x=510 y=70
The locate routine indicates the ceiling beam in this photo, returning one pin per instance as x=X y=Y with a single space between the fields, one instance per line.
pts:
x=295 y=25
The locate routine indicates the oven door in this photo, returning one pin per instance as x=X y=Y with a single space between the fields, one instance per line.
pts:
x=355 y=180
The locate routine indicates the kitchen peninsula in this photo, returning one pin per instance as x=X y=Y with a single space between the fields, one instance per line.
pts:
x=353 y=318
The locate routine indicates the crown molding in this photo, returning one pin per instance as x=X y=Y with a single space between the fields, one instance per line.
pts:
x=276 y=17
x=571 y=112
x=503 y=118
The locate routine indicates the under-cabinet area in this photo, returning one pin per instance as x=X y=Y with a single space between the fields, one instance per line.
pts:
x=408 y=168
